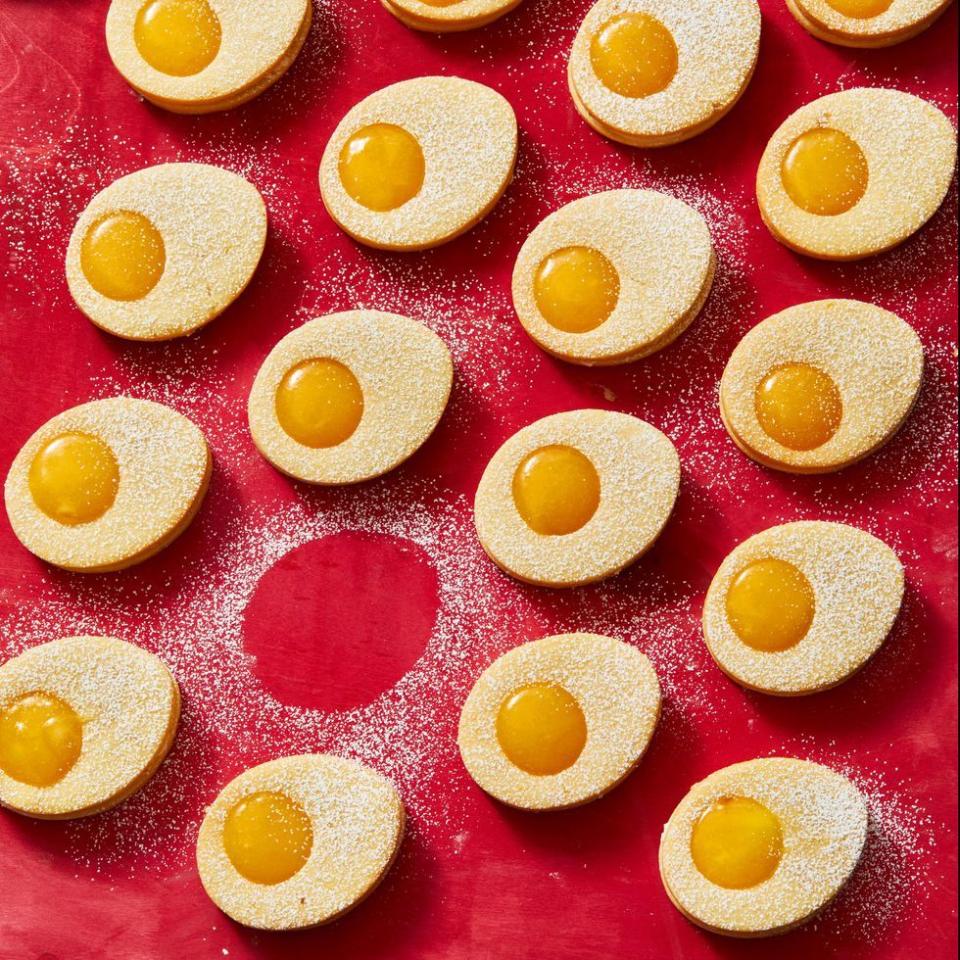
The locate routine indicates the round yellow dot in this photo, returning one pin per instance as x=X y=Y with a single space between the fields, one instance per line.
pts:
x=541 y=729
x=576 y=289
x=556 y=490
x=268 y=837
x=634 y=55
x=40 y=739
x=737 y=843
x=770 y=605
x=74 y=478
x=825 y=172
x=382 y=167
x=860 y=9
x=440 y=3
x=799 y=406
x=319 y=403
x=177 y=37
x=123 y=256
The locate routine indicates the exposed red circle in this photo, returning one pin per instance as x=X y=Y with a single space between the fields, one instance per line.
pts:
x=339 y=620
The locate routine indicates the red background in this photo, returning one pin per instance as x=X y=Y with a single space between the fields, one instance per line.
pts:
x=367 y=637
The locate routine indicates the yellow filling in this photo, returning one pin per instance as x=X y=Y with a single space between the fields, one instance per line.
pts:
x=123 y=256
x=634 y=55
x=40 y=739
x=319 y=403
x=576 y=289
x=825 y=172
x=860 y=9
x=440 y=3
x=770 y=605
x=541 y=729
x=74 y=478
x=382 y=166
x=177 y=37
x=799 y=406
x=268 y=837
x=556 y=490
x=737 y=843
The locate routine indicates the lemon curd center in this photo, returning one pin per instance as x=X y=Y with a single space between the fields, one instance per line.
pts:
x=634 y=55
x=382 y=166
x=268 y=837
x=799 y=406
x=556 y=490
x=541 y=729
x=737 y=843
x=177 y=37
x=319 y=403
x=123 y=256
x=40 y=739
x=860 y=9
x=74 y=478
x=770 y=605
x=825 y=172
x=576 y=289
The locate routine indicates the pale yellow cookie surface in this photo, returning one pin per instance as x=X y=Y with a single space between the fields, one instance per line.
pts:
x=349 y=396
x=84 y=723
x=613 y=277
x=201 y=56
x=760 y=847
x=325 y=834
x=801 y=607
x=821 y=385
x=855 y=173
x=597 y=486
x=649 y=73
x=107 y=484
x=448 y=16
x=560 y=721
x=866 y=23
x=419 y=162
x=163 y=251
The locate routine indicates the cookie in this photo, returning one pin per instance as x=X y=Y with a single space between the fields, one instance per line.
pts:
x=84 y=723
x=202 y=56
x=821 y=385
x=558 y=722
x=855 y=173
x=297 y=842
x=649 y=73
x=576 y=497
x=349 y=396
x=613 y=277
x=419 y=162
x=107 y=484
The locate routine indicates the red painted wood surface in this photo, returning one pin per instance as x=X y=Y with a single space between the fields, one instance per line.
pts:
x=365 y=638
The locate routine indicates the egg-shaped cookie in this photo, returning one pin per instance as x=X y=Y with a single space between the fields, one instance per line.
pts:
x=759 y=848
x=448 y=16
x=107 y=484
x=649 y=73
x=866 y=23
x=801 y=607
x=821 y=385
x=613 y=277
x=349 y=396
x=297 y=842
x=161 y=252
x=855 y=173
x=560 y=721
x=84 y=723
x=576 y=497
x=419 y=162
x=201 y=56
